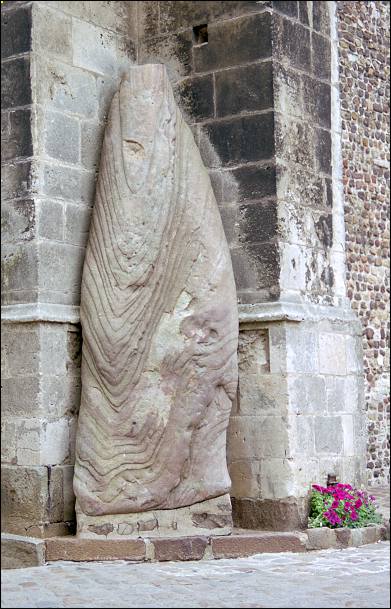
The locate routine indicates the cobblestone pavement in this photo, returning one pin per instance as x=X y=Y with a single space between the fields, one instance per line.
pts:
x=355 y=577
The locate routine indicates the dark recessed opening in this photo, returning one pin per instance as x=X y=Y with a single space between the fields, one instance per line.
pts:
x=200 y=34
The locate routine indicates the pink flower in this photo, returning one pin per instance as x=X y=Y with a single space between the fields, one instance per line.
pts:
x=332 y=517
x=353 y=515
x=335 y=504
x=358 y=504
x=318 y=488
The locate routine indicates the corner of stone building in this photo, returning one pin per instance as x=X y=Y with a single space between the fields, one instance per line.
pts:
x=61 y=65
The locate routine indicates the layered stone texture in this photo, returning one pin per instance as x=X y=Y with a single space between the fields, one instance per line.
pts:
x=61 y=63
x=364 y=84
x=160 y=324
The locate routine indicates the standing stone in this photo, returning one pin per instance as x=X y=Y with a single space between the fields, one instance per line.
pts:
x=160 y=330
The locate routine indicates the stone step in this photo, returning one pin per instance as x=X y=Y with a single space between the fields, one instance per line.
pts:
x=18 y=551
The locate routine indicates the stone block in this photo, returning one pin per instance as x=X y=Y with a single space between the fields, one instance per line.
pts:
x=258 y=543
x=250 y=39
x=317 y=101
x=294 y=141
x=23 y=351
x=77 y=224
x=371 y=534
x=69 y=183
x=80 y=10
x=344 y=537
x=257 y=222
x=321 y=17
x=302 y=350
x=292 y=43
x=8 y=440
x=244 y=89
x=19 y=552
x=300 y=187
x=341 y=394
x=114 y=16
x=349 y=448
x=16 y=137
x=50 y=219
x=321 y=56
x=303 y=13
x=261 y=395
x=28 y=441
x=249 y=183
x=72 y=548
x=332 y=354
x=24 y=497
x=354 y=355
x=185 y=548
x=55 y=442
x=287 y=8
x=288 y=514
x=18 y=221
x=328 y=435
x=94 y=48
x=91 y=144
x=307 y=394
x=61 y=137
x=243 y=139
x=53 y=349
x=52 y=32
x=287 y=91
x=15 y=31
x=255 y=266
x=321 y=539
x=278 y=476
x=195 y=97
x=323 y=151
x=63 y=270
x=175 y=50
x=67 y=491
x=304 y=432
x=66 y=88
x=16 y=181
x=15 y=83
x=178 y=15
x=258 y=437
x=293 y=267
x=245 y=477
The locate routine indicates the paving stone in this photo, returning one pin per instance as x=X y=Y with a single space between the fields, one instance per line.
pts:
x=354 y=577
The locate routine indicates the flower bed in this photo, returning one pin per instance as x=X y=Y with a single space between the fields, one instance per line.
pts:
x=341 y=505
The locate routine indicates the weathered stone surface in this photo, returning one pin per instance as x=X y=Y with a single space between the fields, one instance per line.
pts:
x=159 y=317
x=21 y=552
x=72 y=548
x=210 y=517
x=245 y=545
x=269 y=514
x=187 y=548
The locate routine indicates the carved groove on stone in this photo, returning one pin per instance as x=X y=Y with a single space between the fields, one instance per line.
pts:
x=159 y=316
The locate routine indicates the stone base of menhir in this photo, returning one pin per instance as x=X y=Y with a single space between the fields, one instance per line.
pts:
x=210 y=517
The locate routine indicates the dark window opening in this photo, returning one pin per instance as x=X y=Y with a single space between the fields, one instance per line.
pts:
x=200 y=34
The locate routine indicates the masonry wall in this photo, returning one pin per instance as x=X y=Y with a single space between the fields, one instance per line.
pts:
x=255 y=81
x=365 y=94
x=62 y=62
x=258 y=94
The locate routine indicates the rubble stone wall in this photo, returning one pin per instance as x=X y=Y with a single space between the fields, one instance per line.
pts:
x=364 y=87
